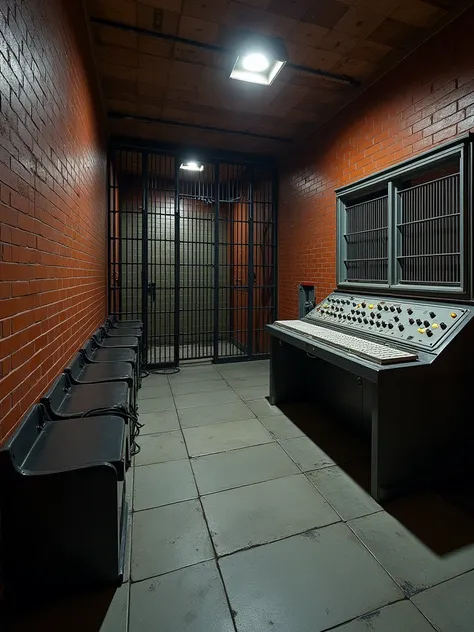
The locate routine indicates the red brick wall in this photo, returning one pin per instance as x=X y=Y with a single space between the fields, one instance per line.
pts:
x=424 y=101
x=52 y=204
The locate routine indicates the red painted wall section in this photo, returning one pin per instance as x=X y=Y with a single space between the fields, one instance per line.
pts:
x=53 y=228
x=426 y=100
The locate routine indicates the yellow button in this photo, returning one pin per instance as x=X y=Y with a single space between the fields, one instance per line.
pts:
x=421 y=330
x=435 y=325
x=453 y=314
x=325 y=305
x=371 y=306
x=358 y=305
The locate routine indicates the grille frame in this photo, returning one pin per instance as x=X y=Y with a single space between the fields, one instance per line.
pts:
x=390 y=180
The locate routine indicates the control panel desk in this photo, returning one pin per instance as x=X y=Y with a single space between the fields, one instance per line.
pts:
x=399 y=371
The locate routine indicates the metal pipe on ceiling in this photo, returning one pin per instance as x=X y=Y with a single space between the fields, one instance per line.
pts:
x=208 y=128
x=329 y=76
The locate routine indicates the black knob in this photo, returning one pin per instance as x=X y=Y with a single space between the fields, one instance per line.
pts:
x=401 y=327
x=409 y=310
x=358 y=311
x=429 y=333
x=396 y=319
x=379 y=306
x=384 y=324
x=418 y=321
x=377 y=323
x=359 y=319
x=372 y=315
x=426 y=323
x=379 y=315
x=392 y=308
x=363 y=313
x=371 y=322
x=432 y=315
x=354 y=304
x=365 y=321
x=386 y=308
x=390 y=325
x=411 y=321
x=443 y=325
x=363 y=304
x=399 y=309
x=352 y=311
x=354 y=318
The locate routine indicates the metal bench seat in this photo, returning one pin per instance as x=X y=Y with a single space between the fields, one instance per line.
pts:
x=63 y=505
x=82 y=372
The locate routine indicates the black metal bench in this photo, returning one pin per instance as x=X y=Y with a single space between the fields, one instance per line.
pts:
x=82 y=372
x=67 y=400
x=119 y=342
x=115 y=322
x=94 y=354
x=63 y=505
x=116 y=332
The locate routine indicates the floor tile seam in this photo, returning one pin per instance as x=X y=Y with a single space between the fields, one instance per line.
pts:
x=370 y=513
x=157 y=432
x=233 y=388
x=279 y=441
x=145 y=399
x=364 y=614
x=130 y=535
x=440 y=583
x=266 y=480
x=224 y=587
x=174 y=502
x=254 y=445
x=204 y=405
x=219 y=423
x=211 y=390
x=435 y=628
x=157 y=462
x=173 y=570
x=349 y=526
x=285 y=537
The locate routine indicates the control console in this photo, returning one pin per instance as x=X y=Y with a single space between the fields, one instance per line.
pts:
x=421 y=324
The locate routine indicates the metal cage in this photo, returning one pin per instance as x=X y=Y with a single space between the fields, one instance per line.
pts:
x=192 y=254
x=407 y=228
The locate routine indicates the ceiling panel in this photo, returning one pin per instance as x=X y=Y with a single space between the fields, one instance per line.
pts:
x=175 y=65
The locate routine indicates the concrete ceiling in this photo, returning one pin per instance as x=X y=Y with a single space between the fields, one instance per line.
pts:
x=160 y=84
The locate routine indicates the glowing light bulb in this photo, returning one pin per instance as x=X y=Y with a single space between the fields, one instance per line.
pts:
x=256 y=62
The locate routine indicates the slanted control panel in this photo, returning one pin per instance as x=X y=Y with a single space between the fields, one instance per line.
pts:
x=421 y=324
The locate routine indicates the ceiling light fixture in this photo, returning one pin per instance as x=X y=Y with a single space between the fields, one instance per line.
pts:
x=259 y=59
x=255 y=62
x=191 y=165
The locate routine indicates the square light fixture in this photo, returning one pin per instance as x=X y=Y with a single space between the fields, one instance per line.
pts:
x=259 y=59
x=191 y=165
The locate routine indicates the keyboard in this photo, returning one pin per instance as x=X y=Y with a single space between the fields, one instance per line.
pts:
x=373 y=351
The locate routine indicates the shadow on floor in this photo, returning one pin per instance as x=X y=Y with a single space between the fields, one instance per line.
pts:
x=442 y=517
x=79 y=613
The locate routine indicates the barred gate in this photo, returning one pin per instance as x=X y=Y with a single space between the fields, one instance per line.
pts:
x=192 y=254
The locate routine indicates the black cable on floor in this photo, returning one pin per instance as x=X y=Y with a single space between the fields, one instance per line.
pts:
x=170 y=371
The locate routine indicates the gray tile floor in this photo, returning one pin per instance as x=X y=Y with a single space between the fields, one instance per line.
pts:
x=240 y=523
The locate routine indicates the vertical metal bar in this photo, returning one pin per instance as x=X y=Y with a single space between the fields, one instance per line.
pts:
x=217 y=261
x=274 y=316
x=392 y=229
x=177 y=263
x=144 y=237
x=251 y=272
x=110 y=239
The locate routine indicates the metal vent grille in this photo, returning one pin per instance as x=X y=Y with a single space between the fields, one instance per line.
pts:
x=429 y=233
x=366 y=240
